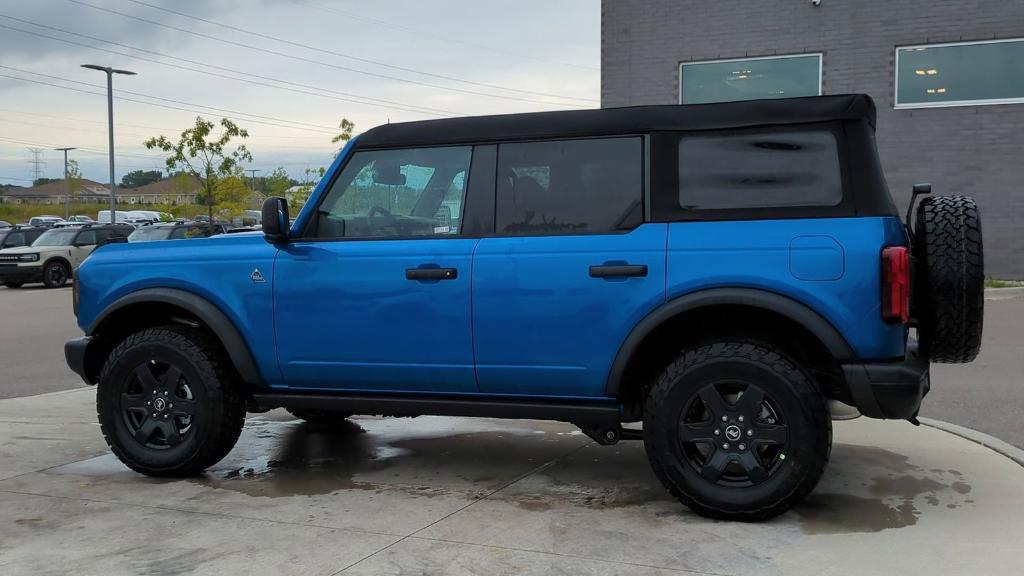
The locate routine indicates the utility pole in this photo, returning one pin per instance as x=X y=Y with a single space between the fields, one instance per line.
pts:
x=37 y=163
x=254 y=171
x=67 y=182
x=110 y=127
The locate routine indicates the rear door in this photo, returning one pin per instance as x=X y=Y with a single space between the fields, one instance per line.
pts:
x=376 y=295
x=571 y=268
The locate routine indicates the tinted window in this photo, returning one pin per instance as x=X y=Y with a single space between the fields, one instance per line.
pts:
x=750 y=79
x=397 y=193
x=56 y=237
x=570 y=186
x=15 y=239
x=759 y=170
x=86 y=238
x=960 y=74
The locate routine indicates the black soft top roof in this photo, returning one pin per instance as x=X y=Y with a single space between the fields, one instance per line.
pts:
x=616 y=121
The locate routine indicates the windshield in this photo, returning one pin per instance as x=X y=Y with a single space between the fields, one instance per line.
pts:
x=146 y=234
x=58 y=237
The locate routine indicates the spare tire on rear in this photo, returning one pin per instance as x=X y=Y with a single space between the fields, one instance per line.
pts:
x=949 y=295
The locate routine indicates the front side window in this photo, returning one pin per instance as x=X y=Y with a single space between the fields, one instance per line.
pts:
x=56 y=237
x=759 y=170
x=959 y=74
x=570 y=186
x=396 y=193
x=750 y=79
x=14 y=239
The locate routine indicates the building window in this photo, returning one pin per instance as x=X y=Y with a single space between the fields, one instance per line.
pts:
x=960 y=74
x=750 y=79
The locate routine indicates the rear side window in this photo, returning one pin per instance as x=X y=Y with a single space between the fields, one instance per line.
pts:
x=570 y=186
x=759 y=170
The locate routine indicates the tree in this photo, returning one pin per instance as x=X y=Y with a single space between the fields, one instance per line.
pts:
x=137 y=178
x=299 y=197
x=74 y=179
x=41 y=181
x=278 y=183
x=205 y=156
x=347 y=126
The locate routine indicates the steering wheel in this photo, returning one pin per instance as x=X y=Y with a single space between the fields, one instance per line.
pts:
x=387 y=218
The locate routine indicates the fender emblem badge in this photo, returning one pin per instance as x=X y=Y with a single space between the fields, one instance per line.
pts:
x=257 y=276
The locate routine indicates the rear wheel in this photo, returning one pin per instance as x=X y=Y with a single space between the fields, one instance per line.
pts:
x=736 y=431
x=55 y=274
x=167 y=402
x=949 y=302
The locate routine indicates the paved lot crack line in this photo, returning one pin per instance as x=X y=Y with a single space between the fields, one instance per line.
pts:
x=522 y=476
x=200 y=512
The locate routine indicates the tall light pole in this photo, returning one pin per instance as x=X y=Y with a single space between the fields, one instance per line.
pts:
x=110 y=127
x=253 y=179
x=67 y=183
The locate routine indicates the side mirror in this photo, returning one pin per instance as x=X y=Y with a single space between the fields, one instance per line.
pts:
x=275 y=220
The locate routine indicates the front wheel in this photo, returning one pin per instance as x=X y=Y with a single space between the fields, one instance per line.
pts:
x=167 y=402
x=55 y=274
x=736 y=431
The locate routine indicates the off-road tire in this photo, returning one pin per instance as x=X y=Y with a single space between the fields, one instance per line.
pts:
x=806 y=414
x=14 y=284
x=318 y=416
x=55 y=274
x=949 y=300
x=218 y=396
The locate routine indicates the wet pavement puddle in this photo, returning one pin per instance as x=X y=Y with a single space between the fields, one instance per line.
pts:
x=865 y=489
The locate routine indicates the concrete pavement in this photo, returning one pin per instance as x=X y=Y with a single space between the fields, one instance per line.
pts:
x=473 y=496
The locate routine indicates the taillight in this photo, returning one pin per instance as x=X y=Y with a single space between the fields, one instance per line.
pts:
x=74 y=292
x=896 y=283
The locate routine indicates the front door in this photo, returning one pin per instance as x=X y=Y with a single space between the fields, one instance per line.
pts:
x=376 y=294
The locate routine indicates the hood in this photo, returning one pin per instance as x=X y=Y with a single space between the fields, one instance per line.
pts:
x=33 y=249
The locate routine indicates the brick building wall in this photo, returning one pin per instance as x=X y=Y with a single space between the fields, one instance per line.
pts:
x=975 y=150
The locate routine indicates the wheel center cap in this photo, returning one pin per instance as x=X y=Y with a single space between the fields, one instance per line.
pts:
x=733 y=432
x=159 y=404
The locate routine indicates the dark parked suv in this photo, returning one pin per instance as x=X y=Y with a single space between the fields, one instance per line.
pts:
x=722 y=273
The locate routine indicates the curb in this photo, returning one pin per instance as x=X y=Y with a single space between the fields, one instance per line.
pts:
x=1004 y=293
x=990 y=442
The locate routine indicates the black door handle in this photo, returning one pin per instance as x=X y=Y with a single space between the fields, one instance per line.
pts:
x=431 y=273
x=618 y=271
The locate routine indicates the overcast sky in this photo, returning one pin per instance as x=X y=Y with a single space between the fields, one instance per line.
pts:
x=286 y=70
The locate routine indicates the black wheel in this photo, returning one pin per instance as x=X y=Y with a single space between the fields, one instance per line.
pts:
x=736 y=431
x=167 y=402
x=14 y=284
x=318 y=416
x=949 y=300
x=55 y=274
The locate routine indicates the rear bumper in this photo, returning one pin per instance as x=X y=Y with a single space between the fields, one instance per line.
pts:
x=21 y=274
x=889 y=390
x=74 y=354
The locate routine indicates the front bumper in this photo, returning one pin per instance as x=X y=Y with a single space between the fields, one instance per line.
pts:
x=889 y=390
x=21 y=274
x=75 y=354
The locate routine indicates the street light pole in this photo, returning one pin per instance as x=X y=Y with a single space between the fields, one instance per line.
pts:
x=67 y=183
x=253 y=179
x=110 y=127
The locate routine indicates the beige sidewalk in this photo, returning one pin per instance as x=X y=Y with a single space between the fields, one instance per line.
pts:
x=470 y=496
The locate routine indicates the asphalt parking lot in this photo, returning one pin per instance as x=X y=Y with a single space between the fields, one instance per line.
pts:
x=435 y=495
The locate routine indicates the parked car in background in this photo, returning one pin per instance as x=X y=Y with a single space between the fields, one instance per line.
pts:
x=46 y=221
x=81 y=218
x=129 y=216
x=180 y=230
x=5 y=224
x=19 y=235
x=55 y=254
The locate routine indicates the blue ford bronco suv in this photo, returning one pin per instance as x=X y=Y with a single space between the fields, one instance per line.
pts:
x=728 y=275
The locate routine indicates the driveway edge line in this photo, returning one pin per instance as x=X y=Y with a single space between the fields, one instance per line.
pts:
x=991 y=442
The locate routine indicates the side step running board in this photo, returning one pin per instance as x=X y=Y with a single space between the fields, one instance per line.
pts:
x=417 y=405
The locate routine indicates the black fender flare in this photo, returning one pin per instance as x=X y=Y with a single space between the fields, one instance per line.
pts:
x=752 y=297
x=222 y=326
